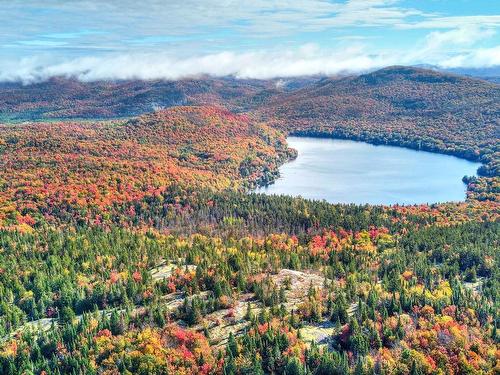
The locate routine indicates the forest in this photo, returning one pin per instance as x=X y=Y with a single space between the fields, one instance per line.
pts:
x=131 y=243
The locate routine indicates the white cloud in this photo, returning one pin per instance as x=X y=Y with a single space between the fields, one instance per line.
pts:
x=440 y=45
x=154 y=39
x=451 y=22
x=263 y=64
x=480 y=58
x=464 y=35
x=258 y=64
x=130 y=19
x=307 y=60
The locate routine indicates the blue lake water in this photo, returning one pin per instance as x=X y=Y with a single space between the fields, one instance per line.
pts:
x=341 y=171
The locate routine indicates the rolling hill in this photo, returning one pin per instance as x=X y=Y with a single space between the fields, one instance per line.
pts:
x=61 y=98
x=47 y=168
x=404 y=106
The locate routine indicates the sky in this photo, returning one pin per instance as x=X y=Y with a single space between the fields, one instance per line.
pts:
x=172 y=39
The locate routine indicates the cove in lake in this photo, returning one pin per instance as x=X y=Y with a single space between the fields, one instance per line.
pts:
x=341 y=171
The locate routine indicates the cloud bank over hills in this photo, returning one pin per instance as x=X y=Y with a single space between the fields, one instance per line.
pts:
x=307 y=60
x=94 y=40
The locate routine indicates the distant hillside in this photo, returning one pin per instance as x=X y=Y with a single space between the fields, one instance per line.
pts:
x=412 y=107
x=68 y=98
x=62 y=98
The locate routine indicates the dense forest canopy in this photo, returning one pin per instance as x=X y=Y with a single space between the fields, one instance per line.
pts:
x=129 y=241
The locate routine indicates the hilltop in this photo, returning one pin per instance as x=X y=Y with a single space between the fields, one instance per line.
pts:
x=404 y=106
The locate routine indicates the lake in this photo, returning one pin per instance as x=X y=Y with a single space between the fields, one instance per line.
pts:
x=341 y=171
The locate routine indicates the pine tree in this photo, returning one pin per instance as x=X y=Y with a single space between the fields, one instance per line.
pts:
x=415 y=369
x=232 y=345
x=359 y=369
x=115 y=324
x=294 y=367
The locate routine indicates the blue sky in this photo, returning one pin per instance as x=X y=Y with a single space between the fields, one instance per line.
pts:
x=93 y=39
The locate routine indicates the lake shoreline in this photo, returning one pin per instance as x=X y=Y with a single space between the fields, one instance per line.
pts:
x=401 y=143
x=349 y=177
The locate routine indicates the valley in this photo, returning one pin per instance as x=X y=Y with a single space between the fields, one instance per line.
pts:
x=130 y=229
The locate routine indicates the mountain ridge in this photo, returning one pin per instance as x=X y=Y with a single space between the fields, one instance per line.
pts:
x=66 y=98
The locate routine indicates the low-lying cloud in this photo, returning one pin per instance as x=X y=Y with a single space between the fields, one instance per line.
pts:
x=480 y=58
x=308 y=60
